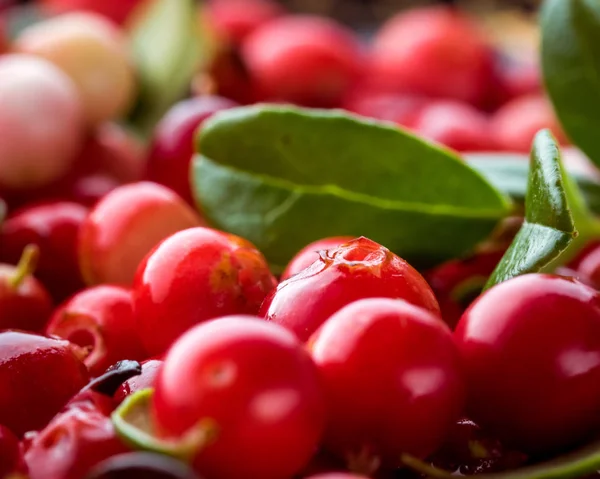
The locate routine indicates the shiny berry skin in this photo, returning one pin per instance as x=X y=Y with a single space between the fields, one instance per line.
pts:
x=310 y=253
x=217 y=370
x=10 y=452
x=94 y=53
x=74 y=441
x=195 y=275
x=359 y=269
x=234 y=20
x=32 y=367
x=433 y=51
x=392 y=379
x=456 y=125
x=99 y=318
x=515 y=124
x=141 y=215
x=143 y=381
x=24 y=302
x=172 y=145
x=40 y=137
x=54 y=227
x=532 y=378
x=303 y=59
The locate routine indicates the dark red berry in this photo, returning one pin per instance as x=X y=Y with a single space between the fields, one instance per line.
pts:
x=141 y=465
x=145 y=380
x=10 y=452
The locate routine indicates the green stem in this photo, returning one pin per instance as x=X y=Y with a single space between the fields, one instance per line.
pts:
x=27 y=264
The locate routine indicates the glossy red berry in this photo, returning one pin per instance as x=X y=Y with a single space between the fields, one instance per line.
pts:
x=99 y=319
x=54 y=228
x=392 y=380
x=532 y=380
x=33 y=367
x=145 y=380
x=24 y=302
x=303 y=59
x=434 y=51
x=216 y=371
x=359 y=269
x=195 y=275
x=10 y=452
x=310 y=253
x=73 y=443
x=174 y=140
x=141 y=215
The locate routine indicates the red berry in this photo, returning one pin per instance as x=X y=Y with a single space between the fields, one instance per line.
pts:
x=589 y=267
x=195 y=275
x=24 y=302
x=310 y=253
x=146 y=380
x=116 y=10
x=217 y=371
x=173 y=142
x=141 y=215
x=100 y=319
x=303 y=59
x=234 y=20
x=455 y=124
x=73 y=443
x=531 y=351
x=38 y=376
x=356 y=270
x=53 y=227
x=10 y=452
x=392 y=380
x=337 y=475
x=516 y=123
x=433 y=51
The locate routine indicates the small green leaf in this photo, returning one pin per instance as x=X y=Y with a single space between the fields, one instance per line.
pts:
x=508 y=172
x=571 y=68
x=549 y=227
x=283 y=177
x=169 y=48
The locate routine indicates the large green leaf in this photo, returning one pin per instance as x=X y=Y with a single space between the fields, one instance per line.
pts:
x=169 y=47
x=283 y=177
x=571 y=66
x=549 y=226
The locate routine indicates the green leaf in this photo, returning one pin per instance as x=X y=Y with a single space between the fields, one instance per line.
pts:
x=549 y=226
x=571 y=68
x=169 y=48
x=508 y=172
x=283 y=177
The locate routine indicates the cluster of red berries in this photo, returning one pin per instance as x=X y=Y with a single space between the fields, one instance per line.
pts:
x=121 y=310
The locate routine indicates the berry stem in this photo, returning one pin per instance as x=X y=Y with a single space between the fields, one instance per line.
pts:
x=27 y=264
x=422 y=467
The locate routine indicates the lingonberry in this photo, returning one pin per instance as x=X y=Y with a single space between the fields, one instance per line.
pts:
x=72 y=443
x=310 y=253
x=53 y=227
x=303 y=59
x=434 y=51
x=455 y=124
x=359 y=269
x=41 y=122
x=234 y=20
x=141 y=465
x=143 y=381
x=516 y=123
x=99 y=319
x=392 y=380
x=456 y=283
x=93 y=52
x=195 y=275
x=116 y=10
x=24 y=302
x=141 y=215
x=217 y=371
x=531 y=380
x=173 y=142
x=38 y=376
x=10 y=452
x=589 y=267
